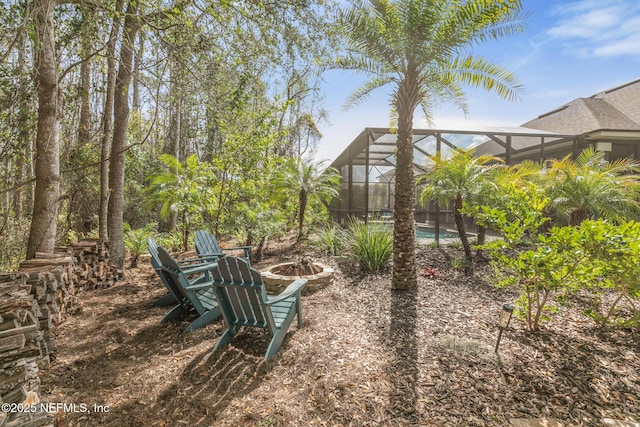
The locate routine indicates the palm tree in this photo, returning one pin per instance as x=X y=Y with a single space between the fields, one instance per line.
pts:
x=307 y=181
x=591 y=187
x=422 y=48
x=182 y=188
x=458 y=179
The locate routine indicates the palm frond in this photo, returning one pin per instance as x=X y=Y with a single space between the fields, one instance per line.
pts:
x=491 y=77
x=362 y=93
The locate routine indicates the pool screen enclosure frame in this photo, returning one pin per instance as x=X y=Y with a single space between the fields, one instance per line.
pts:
x=367 y=165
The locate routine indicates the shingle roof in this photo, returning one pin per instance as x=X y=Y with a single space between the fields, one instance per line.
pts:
x=617 y=108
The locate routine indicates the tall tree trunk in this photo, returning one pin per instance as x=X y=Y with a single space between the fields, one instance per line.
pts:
x=404 y=266
x=42 y=234
x=119 y=142
x=136 y=72
x=107 y=120
x=84 y=125
x=174 y=126
x=17 y=193
x=24 y=138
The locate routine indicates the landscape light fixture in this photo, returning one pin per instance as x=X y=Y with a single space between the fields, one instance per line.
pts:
x=503 y=322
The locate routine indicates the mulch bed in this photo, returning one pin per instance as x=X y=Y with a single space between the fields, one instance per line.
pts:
x=366 y=356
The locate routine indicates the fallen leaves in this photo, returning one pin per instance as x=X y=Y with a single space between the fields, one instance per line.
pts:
x=366 y=357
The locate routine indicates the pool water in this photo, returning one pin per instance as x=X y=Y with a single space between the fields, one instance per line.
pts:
x=428 y=232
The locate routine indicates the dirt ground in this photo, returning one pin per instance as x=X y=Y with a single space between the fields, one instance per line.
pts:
x=366 y=356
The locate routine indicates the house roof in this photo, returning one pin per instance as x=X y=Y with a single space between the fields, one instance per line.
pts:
x=376 y=146
x=613 y=114
x=614 y=109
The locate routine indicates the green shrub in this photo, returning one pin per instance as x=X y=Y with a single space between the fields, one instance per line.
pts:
x=371 y=245
x=461 y=263
x=172 y=242
x=330 y=239
x=455 y=244
x=615 y=254
x=136 y=241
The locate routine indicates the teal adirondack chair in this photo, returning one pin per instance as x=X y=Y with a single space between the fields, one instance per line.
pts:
x=170 y=298
x=195 y=294
x=198 y=292
x=207 y=244
x=174 y=294
x=244 y=302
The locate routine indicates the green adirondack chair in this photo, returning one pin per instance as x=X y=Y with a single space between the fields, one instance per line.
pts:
x=170 y=298
x=192 y=294
x=244 y=302
x=174 y=295
x=207 y=244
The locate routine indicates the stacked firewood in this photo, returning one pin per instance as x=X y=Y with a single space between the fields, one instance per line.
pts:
x=92 y=264
x=52 y=281
x=33 y=302
x=22 y=350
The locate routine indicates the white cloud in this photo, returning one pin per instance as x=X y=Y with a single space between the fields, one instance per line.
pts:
x=590 y=28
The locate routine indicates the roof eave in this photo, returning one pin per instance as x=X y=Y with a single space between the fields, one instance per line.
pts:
x=613 y=134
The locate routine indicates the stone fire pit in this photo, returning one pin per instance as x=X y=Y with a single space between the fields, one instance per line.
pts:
x=277 y=277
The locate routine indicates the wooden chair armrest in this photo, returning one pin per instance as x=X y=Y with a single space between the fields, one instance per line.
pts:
x=203 y=285
x=199 y=259
x=291 y=290
x=213 y=257
x=244 y=248
x=199 y=268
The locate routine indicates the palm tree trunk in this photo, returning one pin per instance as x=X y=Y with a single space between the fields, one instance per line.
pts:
x=404 y=267
x=302 y=198
x=482 y=237
x=457 y=206
x=260 y=249
x=577 y=217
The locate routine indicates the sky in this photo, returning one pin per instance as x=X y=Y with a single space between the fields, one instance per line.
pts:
x=569 y=50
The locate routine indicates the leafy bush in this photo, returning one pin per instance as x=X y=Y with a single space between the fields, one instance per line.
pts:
x=172 y=242
x=559 y=264
x=552 y=264
x=371 y=244
x=615 y=253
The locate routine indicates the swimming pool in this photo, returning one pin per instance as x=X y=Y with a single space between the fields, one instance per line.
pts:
x=430 y=233
x=423 y=232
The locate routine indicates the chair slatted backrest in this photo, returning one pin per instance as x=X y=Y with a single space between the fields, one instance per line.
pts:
x=173 y=273
x=206 y=243
x=153 y=251
x=241 y=294
x=156 y=262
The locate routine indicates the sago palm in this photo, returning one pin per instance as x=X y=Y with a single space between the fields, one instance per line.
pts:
x=458 y=179
x=590 y=187
x=422 y=48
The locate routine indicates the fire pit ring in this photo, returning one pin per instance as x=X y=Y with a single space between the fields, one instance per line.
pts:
x=276 y=283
